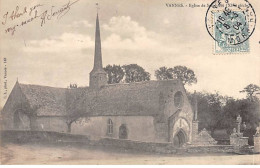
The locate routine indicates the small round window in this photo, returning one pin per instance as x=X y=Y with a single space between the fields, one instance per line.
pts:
x=178 y=99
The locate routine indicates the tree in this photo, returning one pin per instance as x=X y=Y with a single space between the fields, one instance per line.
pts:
x=115 y=73
x=135 y=73
x=79 y=108
x=209 y=110
x=73 y=118
x=164 y=73
x=186 y=75
x=229 y=113
x=250 y=90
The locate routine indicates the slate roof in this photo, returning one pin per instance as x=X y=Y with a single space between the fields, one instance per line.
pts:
x=49 y=100
x=135 y=99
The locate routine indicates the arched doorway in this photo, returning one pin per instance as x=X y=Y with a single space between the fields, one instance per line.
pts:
x=123 y=132
x=179 y=124
x=179 y=139
x=21 y=120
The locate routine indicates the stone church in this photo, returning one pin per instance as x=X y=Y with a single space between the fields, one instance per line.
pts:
x=149 y=111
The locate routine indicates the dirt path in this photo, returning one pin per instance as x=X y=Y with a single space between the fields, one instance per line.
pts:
x=49 y=154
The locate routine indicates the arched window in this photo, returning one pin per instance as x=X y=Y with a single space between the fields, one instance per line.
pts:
x=109 y=126
x=178 y=99
x=123 y=132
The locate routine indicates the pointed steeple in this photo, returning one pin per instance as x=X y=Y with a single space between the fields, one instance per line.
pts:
x=98 y=53
x=98 y=76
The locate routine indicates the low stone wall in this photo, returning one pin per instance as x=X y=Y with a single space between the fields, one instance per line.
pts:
x=139 y=146
x=166 y=148
x=16 y=136
x=223 y=141
x=55 y=137
x=211 y=149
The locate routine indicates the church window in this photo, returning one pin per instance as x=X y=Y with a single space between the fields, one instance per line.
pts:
x=178 y=99
x=109 y=126
x=123 y=132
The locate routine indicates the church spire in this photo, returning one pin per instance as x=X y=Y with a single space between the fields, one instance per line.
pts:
x=98 y=53
x=98 y=76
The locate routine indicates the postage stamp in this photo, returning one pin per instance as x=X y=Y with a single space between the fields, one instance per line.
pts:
x=230 y=23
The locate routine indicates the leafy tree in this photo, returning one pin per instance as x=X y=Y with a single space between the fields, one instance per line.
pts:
x=135 y=73
x=186 y=75
x=80 y=116
x=115 y=73
x=164 y=73
x=209 y=110
x=250 y=90
x=79 y=109
x=229 y=113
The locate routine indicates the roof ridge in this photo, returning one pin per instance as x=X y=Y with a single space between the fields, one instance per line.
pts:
x=42 y=86
x=142 y=82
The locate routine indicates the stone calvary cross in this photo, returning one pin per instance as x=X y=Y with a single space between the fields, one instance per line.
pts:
x=239 y=121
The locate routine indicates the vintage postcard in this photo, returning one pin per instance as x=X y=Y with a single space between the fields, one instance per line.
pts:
x=130 y=82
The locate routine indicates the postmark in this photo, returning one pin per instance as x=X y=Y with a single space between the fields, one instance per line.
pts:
x=230 y=23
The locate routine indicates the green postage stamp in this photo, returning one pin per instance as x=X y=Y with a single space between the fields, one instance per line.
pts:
x=230 y=25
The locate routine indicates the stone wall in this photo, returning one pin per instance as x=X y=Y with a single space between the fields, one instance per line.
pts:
x=12 y=136
x=237 y=139
x=139 y=146
x=166 y=148
x=15 y=136
x=139 y=128
x=16 y=101
x=49 y=123
x=211 y=149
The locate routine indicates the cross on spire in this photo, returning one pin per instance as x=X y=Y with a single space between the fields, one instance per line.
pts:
x=97 y=7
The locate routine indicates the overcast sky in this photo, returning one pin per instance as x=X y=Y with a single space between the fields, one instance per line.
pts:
x=147 y=33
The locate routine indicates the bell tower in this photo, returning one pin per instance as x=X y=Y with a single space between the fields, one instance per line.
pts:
x=98 y=76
